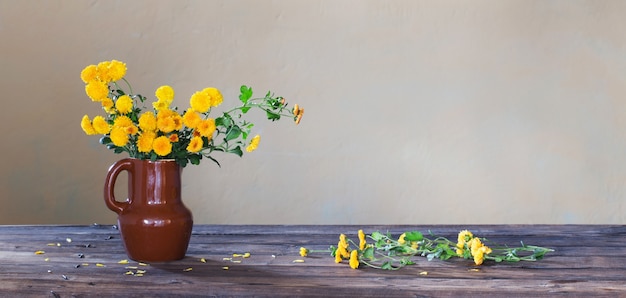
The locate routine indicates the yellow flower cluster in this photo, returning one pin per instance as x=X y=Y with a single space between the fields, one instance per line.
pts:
x=163 y=132
x=343 y=250
x=298 y=112
x=467 y=242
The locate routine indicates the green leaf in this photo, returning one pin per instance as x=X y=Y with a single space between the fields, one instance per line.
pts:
x=226 y=120
x=118 y=150
x=407 y=261
x=377 y=236
x=368 y=253
x=386 y=266
x=182 y=162
x=272 y=116
x=245 y=109
x=236 y=150
x=413 y=236
x=195 y=159
x=246 y=93
x=233 y=133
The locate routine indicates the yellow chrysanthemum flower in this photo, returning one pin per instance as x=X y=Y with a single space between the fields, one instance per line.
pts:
x=132 y=130
x=465 y=236
x=85 y=124
x=475 y=244
x=362 y=241
x=479 y=255
x=191 y=118
x=124 y=104
x=215 y=96
x=144 y=141
x=147 y=121
x=122 y=121
x=103 y=71
x=342 y=246
x=173 y=138
x=125 y=124
x=165 y=94
x=206 y=128
x=97 y=90
x=338 y=257
x=254 y=143
x=107 y=105
x=304 y=252
x=200 y=102
x=101 y=125
x=401 y=239
x=462 y=239
x=117 y=70
x=160 y=105
x=118 y=136
x=162 y=146
x=89 y=73
x=354 y=259
x=168 y=121
x=195 y=144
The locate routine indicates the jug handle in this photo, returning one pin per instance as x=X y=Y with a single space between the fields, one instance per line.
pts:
x=109 y=184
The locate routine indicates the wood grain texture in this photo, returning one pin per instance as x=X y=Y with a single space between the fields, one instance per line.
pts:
x=589 y=260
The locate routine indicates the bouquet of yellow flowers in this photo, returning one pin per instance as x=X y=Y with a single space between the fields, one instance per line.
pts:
x=160 y=131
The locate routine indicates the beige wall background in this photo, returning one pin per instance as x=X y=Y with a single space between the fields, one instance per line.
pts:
x=417 y=112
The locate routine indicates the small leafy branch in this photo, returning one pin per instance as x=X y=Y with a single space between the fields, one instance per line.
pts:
x=389 y=253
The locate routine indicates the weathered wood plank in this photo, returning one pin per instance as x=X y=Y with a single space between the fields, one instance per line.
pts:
x=589 y=260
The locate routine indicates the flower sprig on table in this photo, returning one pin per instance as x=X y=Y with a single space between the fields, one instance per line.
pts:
x=161 y=131
x=389 y=253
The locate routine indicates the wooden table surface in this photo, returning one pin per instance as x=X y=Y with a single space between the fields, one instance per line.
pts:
x=82 y=261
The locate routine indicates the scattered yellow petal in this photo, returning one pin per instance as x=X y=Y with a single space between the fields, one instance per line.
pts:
x=40 y=252
x=142 y=264
x=123 y=262
x=59 y=244
x=100 y=265
x=424 y=273
x=236 y=261
x=84 y=264
x=69 y=240
x=237 y=255
x=298 y=261
x=225 y=267
x=474 y=269
x=129 y=273
x=139 y=274
x=227 y=259
x=188 y=269
x=141 y=271
x=131 y=267
x=46 y=259
x=51 y=244
x=203 y=260
x=246 y=255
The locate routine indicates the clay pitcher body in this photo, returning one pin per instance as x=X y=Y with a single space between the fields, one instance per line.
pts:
x=154 y=224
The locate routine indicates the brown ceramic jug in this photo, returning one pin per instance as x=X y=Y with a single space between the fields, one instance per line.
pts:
x=154 y=223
